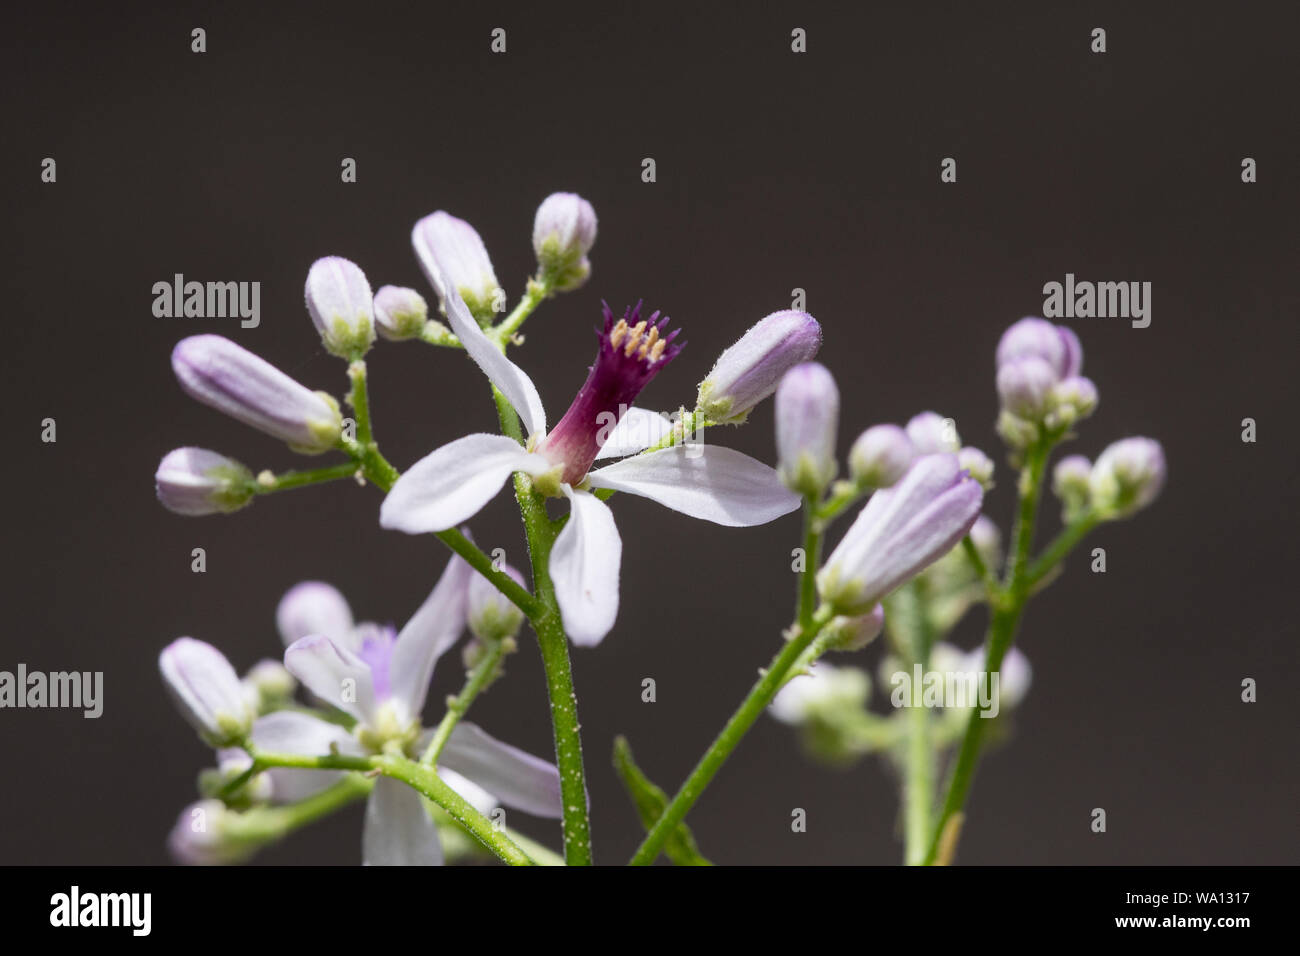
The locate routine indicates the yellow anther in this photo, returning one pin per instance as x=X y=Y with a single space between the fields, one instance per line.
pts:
x=616 y=336
x=634 y=338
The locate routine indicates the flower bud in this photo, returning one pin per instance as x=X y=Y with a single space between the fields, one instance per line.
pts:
x=1015 y=431
x=206 y=690
x=1127 y=477
x=454 y=257
x=267 y=685
x=976 y=464
x=807 y=413
x=1071 y=482
x=932 y=434
x=1023 y=386
x=341 y=306
x=314 y=608
x=900 y=532
x=751 y=369
x=492 y=616
x=854 y=633
x=1069 y=401
x=233 y=763
x=881 y=456
x=1014 y=676
x=400 y=313
x=194 y=481
x=822 y=690
x=202 y=836
x=231 y=379
x=1031 y=337
x=564 y=231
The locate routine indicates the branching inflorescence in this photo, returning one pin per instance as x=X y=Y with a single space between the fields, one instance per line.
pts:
x=341 y=719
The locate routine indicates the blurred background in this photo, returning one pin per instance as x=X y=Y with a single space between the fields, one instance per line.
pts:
x=775 y=170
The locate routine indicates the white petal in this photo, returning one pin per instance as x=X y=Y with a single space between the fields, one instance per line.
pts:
x=289 y=732
x=516 y=778
x=204 y=686
x=476 y=796
x=398 y=830
x=427 y=636
x=711 y=482
x=334 y=674
x=450 y=485
x=584 y=568
x=504 y=374
x=637 y=430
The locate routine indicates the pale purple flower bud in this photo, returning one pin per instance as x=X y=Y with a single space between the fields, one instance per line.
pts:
x=1031 y=337
x=932 y=434
x=201 y=836
x=454 y=257
x=881 y=456
x=1127 y=476
x=977 y=464
x=807 y=414
x=564 y=231
x=314 y=608
x=231 y=379
x=341 y=305
x=195 y=481
x=492 y=616
x=1023 y=386
x=1071 y=400
x=824 y=689
x=1014 y=676
x=899 y=532
x=751 y=369
x=1072 y=482
x=854 y=633
x=400 y=313
x=206 y=689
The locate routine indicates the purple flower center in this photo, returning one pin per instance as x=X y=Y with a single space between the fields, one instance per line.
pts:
x=632 y=352
x=374 y=645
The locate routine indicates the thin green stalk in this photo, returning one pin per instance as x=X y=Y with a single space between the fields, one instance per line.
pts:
x=427 y=781
x=918 y=802
x=1062 y=545
x=265 y=824
x=812 y=545
x=981 y=569
x=741 y=721
x=482 y=674
x=268 y=483
x=538 y=289
x=1007 y=608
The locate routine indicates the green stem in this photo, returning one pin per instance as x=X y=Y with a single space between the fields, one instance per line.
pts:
x=918 y=803
x=843 y=496
x=548 y=625
x=1062 y=545
x=754 y=704
x=1007 y=608
x=981 y=569
x=482 y=674
x=427 y=781
x=268 y=483
x=538 y=289
x=812 y=543
x=262 y=825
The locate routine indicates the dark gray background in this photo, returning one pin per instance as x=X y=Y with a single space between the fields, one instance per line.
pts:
x=775 y=171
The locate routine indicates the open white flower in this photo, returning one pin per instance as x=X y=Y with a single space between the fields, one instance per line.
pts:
x=381 y=679
x=713 y=483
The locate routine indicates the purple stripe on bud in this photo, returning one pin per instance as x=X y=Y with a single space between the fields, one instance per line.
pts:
x=880 y=456
x=400 y=313
x=341 y=305
x=751 y=369
x=454 y=257
x=206 y=689
x=195 y=481
x=564 y=231
x=807 y=415
x=899 y=532
x=231 y=379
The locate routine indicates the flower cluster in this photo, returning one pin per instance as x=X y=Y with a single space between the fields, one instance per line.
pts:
x=342 y=716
